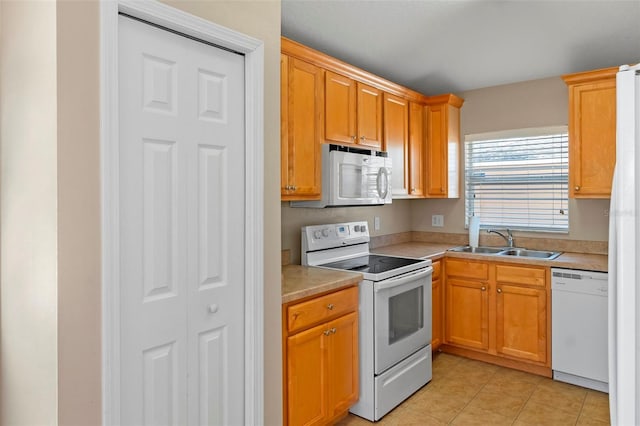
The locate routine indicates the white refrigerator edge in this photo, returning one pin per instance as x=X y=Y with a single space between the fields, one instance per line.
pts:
x=624 y=295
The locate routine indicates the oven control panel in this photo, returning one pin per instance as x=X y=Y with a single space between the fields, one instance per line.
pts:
x=318 y=237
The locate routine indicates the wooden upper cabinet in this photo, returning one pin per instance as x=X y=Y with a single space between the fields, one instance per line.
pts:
x=301 y=134
x=417 y=147
x=340 y=109
x=396 y=141
x=353 y=112
x=592 y=132
x=369 y=116
x=443 y=146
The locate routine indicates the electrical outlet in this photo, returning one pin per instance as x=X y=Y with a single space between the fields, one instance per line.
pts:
x=376 y=223
x=437 y=220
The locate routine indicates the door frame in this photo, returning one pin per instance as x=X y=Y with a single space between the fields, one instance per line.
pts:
x=253 y=50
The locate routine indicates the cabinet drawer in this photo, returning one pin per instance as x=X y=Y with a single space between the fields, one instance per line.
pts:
x=520 y=275
x=436 y=270
x=467 y=269
x=321 y=308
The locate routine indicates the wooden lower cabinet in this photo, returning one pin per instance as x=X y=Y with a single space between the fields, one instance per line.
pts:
x=437 y=306
x=521 y=322
x=467 y=314
x=321 y=362
x=498 y=313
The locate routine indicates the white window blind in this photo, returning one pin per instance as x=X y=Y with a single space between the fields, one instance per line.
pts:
x=518 y=182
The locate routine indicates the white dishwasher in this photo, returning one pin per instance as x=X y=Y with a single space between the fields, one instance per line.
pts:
x=579 y=353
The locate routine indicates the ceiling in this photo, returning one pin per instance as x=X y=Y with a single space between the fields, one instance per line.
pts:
x=452 y=46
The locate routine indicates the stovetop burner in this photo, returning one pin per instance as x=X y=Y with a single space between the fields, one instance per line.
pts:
x=372 y=263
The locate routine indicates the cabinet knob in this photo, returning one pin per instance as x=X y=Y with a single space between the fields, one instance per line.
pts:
x=483 y=288
x=213 y=308
x=577 y=188
x=499 y=290
x=353 y=138
x=326 y=332
x=333 y=330
x=330 y=306
x=362 y=138
x=413 y=190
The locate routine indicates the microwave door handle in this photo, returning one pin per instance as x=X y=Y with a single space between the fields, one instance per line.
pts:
x=382 y=192
x=396 y=282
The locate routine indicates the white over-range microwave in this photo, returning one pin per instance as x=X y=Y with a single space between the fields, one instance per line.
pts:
x=352 y=177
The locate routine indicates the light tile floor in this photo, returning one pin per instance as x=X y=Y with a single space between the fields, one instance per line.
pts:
x=468 y=392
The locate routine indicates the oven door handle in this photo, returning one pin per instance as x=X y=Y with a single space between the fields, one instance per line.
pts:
x=403 y=279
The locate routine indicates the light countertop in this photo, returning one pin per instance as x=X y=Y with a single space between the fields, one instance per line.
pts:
x=299 y=281
x=585 y=261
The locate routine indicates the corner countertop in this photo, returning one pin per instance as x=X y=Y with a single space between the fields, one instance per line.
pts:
x=570 y=260
x=299 y=281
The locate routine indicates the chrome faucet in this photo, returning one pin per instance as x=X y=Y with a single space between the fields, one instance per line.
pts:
x=508 y=238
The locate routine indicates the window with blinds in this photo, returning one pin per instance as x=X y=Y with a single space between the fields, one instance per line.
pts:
x=518 y=180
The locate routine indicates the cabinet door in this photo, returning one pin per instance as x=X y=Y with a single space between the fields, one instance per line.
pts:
x=417 y=149
x=284 y=125
x=305 y=99
x=344 y=364
x=369 y=116
x=521 y=322
x=396 y=141
x=592 y=138
x=437 y=318
x=467 y=313
x=307 y=368
x=437 y=151
x=340 y=108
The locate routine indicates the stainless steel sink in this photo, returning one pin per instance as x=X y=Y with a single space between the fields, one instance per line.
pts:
x=481 y=250
x=506 y=251
x=539 y=254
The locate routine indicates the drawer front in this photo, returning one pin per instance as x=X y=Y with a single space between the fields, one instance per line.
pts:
x=322 y=308
x=436 y=270
x=467 y=269
x=521 y=275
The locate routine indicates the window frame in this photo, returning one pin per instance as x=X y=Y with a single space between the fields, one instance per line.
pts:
x=515 y=134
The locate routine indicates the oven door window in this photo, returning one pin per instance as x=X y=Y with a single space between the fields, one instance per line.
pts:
x=402 y=317
x=406 y=314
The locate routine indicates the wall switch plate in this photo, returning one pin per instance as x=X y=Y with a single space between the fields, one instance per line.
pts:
x=437 y=220
x=376 y=223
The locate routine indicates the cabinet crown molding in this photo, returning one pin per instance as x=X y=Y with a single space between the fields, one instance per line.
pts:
x=292 y=48
x=588 y=76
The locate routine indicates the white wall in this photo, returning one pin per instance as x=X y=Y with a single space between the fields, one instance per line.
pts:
x=536 y=103
x=28 y=213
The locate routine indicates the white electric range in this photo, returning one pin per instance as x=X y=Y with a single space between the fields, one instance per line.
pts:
x=394 y=313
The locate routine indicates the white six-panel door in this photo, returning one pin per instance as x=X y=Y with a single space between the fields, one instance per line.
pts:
x=181 y=155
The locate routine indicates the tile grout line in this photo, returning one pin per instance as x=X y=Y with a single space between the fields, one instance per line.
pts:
x=582 y=407
x=525 y=403
x=472 y=398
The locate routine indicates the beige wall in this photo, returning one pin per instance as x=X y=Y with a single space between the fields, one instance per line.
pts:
x=534 y=103
x=79 y=279
x=394 y=218
x=51 y=353
x=28 y=172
